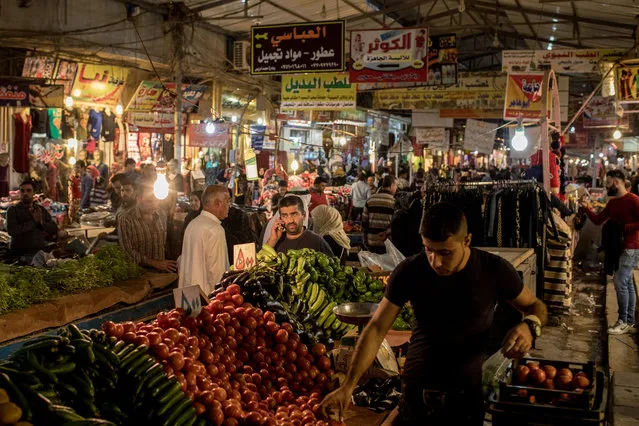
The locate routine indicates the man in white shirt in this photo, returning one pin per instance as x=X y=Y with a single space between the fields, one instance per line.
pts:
x=204 y=254
x=360 y=193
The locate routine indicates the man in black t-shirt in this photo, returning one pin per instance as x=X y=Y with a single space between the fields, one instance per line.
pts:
x=453 y=290
x=289 y=233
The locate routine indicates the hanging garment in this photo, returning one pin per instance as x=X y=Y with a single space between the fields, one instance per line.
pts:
x=39 y=122
x=55 y=120
x=108 y=126
x=69 y=123
x=94 y=124
x=4 y=181
x=81 y=130
x=21 y=143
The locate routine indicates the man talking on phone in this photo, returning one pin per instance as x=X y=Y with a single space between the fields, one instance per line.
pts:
x=289 y=232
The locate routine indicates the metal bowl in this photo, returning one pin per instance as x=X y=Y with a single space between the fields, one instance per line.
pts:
x=355 y=313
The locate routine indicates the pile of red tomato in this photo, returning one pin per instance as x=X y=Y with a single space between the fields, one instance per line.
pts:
x=236 y=363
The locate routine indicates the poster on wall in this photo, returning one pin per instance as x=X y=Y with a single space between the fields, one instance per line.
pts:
x=65 y=75
x=293 y=48
x=628 y=83
x=602 y=112
x=525 y=97
x=38 y=67
x=257 y=136
x=99 y=83
x=153 y=96
x=479 y=136
x=434 y=137
x=197 y=135
x=326 y=91
x=442 y=60
x=388 y=55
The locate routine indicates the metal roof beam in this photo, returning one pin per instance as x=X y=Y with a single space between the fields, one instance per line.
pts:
x=563 y=16
x=515 y=34
x=289 y=11
x=210 y=6
x=360 y=10
x=371 y=15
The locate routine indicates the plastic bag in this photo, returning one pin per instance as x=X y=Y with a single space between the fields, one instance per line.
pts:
x=378 y=394
x=387 y=262
x=493 y=370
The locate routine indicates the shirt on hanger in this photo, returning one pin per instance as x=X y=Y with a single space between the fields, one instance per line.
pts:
x=95 y=124
x=55 y=118
x=69 y=123
x=21 y=145
x=39 y=121
x=108 y=126
x=81 y=131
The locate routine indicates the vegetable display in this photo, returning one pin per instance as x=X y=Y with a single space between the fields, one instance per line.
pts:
x=23 y=286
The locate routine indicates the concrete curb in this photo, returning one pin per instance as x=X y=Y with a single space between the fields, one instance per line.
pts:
x=623 y=360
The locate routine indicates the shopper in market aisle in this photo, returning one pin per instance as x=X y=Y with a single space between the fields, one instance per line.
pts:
x=204 y=252
x=318 y=198
x=622 y=207
x=360 y=193
x=115 y=195
x=29 y=224
x=129 y=169
x=288 y=231
x=142 y=232
x=86 y=183
x=327 y=223
x=282 y=187
x=378 y=215
x=453 y=290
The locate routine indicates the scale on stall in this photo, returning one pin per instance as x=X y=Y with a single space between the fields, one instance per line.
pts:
x=359 y=314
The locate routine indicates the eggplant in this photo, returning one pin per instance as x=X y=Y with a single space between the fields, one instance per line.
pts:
x=241 y=278
x=273 y=306
x=282 y=316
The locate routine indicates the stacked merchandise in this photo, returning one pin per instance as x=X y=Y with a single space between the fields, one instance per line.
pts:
x=558 y=268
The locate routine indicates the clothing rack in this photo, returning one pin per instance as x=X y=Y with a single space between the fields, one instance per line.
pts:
x=498 y=183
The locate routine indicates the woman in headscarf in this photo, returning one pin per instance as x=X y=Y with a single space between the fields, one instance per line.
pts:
x=327 y=222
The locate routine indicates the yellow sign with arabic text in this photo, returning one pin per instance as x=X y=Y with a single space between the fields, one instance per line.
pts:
x=99 y=83
x=325 y=91
x=525 y=97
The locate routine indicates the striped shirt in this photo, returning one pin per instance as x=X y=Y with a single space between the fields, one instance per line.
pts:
x=377 y=217
x=143 y=240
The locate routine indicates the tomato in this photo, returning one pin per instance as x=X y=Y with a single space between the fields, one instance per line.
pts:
x=154 y=338
x=252 y=406
x=225 y=317
x=288 y=396
x=216 y=306
x=176 y=361
x=216 y=416
x=195 y=351
x=229 y=308
x=168 y=370
x=237 y=300
x=129 y=326
x=205 y=397
x=324 y=363
x=230 y=331
x=272 y=328
x=161 y=351
x=302 y=350
x=223 y=296
x=234 y=289
x=250 y=323
x=269 y=316
x=304 y=364
x=291 y=356
x=232 y=421
x=321 y=378
x=291 y=345
x=191 y=378
x=281 y=336
x=254 y=418
x=318 y=350
x=109 y=328
x=219 y=394
x=172 y=334
x=142 y=341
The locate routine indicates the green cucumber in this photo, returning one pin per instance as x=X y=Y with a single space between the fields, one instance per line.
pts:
x=75 y=332
x=90 y=422
x=132 y=357
x=66 y=414
x=33 y=361
x=126 y=351
x=187 y=418
x=336 y=324
x=185 y=404
x=49 y=344
x=168 y=395
x=27 y=376
x=162 y=388
x=314 y=295
x=317 y=304
x=137 y=371
x=108 y=354
x=330 y=319
x=149 y=374
x=65 y=368
x=175 y=398
x=153 y=383
x=68 y=389
x=119 y=345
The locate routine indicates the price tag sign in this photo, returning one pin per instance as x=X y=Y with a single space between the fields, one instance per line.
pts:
x=243 y=256
x=188 y=298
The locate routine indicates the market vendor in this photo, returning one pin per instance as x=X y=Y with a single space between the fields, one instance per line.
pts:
x=289 y=232
x=282 y=188
x=453 y=290
x=29 y=224
x=142 y=232
x=318 y=198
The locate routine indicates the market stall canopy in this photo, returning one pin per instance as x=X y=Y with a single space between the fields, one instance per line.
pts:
x=403 y=147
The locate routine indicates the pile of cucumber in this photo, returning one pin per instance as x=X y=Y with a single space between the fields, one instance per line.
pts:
x=83 y=378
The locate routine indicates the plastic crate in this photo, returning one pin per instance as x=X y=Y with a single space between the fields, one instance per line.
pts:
x=510 y=392
x=526 y=414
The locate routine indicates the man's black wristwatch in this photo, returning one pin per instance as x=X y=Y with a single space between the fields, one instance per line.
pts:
x=535 y=328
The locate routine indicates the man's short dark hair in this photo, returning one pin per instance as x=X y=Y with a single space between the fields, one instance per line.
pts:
x=388 y=181
x=131 y=182
x=129 y=161
x=319 y=180
x=28 y=181
x=616 y=174
x=81 y=164
x=282 y=184
x=362 y=176
x=119 y=177
x=292 y=200
x=442 y=221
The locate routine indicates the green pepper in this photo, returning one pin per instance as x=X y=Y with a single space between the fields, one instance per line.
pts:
x=314 y=275
x=329 y=271
x=376 y=285
x=284 y=260
x=378 y=295
x=348 y=270
x=292 y=264
x=360 y=287
x=400 y=324
x=323 y=261
x=302 y=278
x=300 y=265
x=340 y=276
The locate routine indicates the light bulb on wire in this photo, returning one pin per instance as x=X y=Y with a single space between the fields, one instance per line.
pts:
x=496 y=40
x=161 y=187
x=119 y=110
x=519 y=142
x=68 y=102
x=294 y=166
x=462 y=6
x=210 y=127
x=616 y=135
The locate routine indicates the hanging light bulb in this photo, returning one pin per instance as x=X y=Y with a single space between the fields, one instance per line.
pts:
x=161 y=187
x=72 y=161
x=234 y=119
x=119 y=110
x=210 y=127
x=519 y=142
x=68 y=102
x=616 y=135
x=260 y=121
x=77 y=93
x=72 y=144
x=294 y=166
x=496 y=40
x=462 y=6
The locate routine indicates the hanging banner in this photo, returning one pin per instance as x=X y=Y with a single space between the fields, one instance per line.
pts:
x=327 y=91
x=152 y=121
x=442 y=60
x=99 y=83
x=257 y=137
x=38 y=67
x=480 y=136
x=628 y=83
x=434 y=137
x=152 y=96
x=389 y=55
x=525 y=97
x=65 y=74
x=562 y=60
x=602 y=112
x=14 y=94
x=196 y=135
x=250 y=163
x=293 y=48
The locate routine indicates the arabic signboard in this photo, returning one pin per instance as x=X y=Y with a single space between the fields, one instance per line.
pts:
x=38 y=67
x=243 y=256
x=563 y=60
x=628 y=83
x=65 y=75
x=293 y=48
x=99 y=83
x=152 y=121
x=602 y=112
x=525 y=97
x=152 y=96
x=474 y=95
x=257 y=137
x=327 y=91
x=479 y=136
x=442 y=60
x=196 y=135
x=388 y=55
x=434 y=137
x=14 y=94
